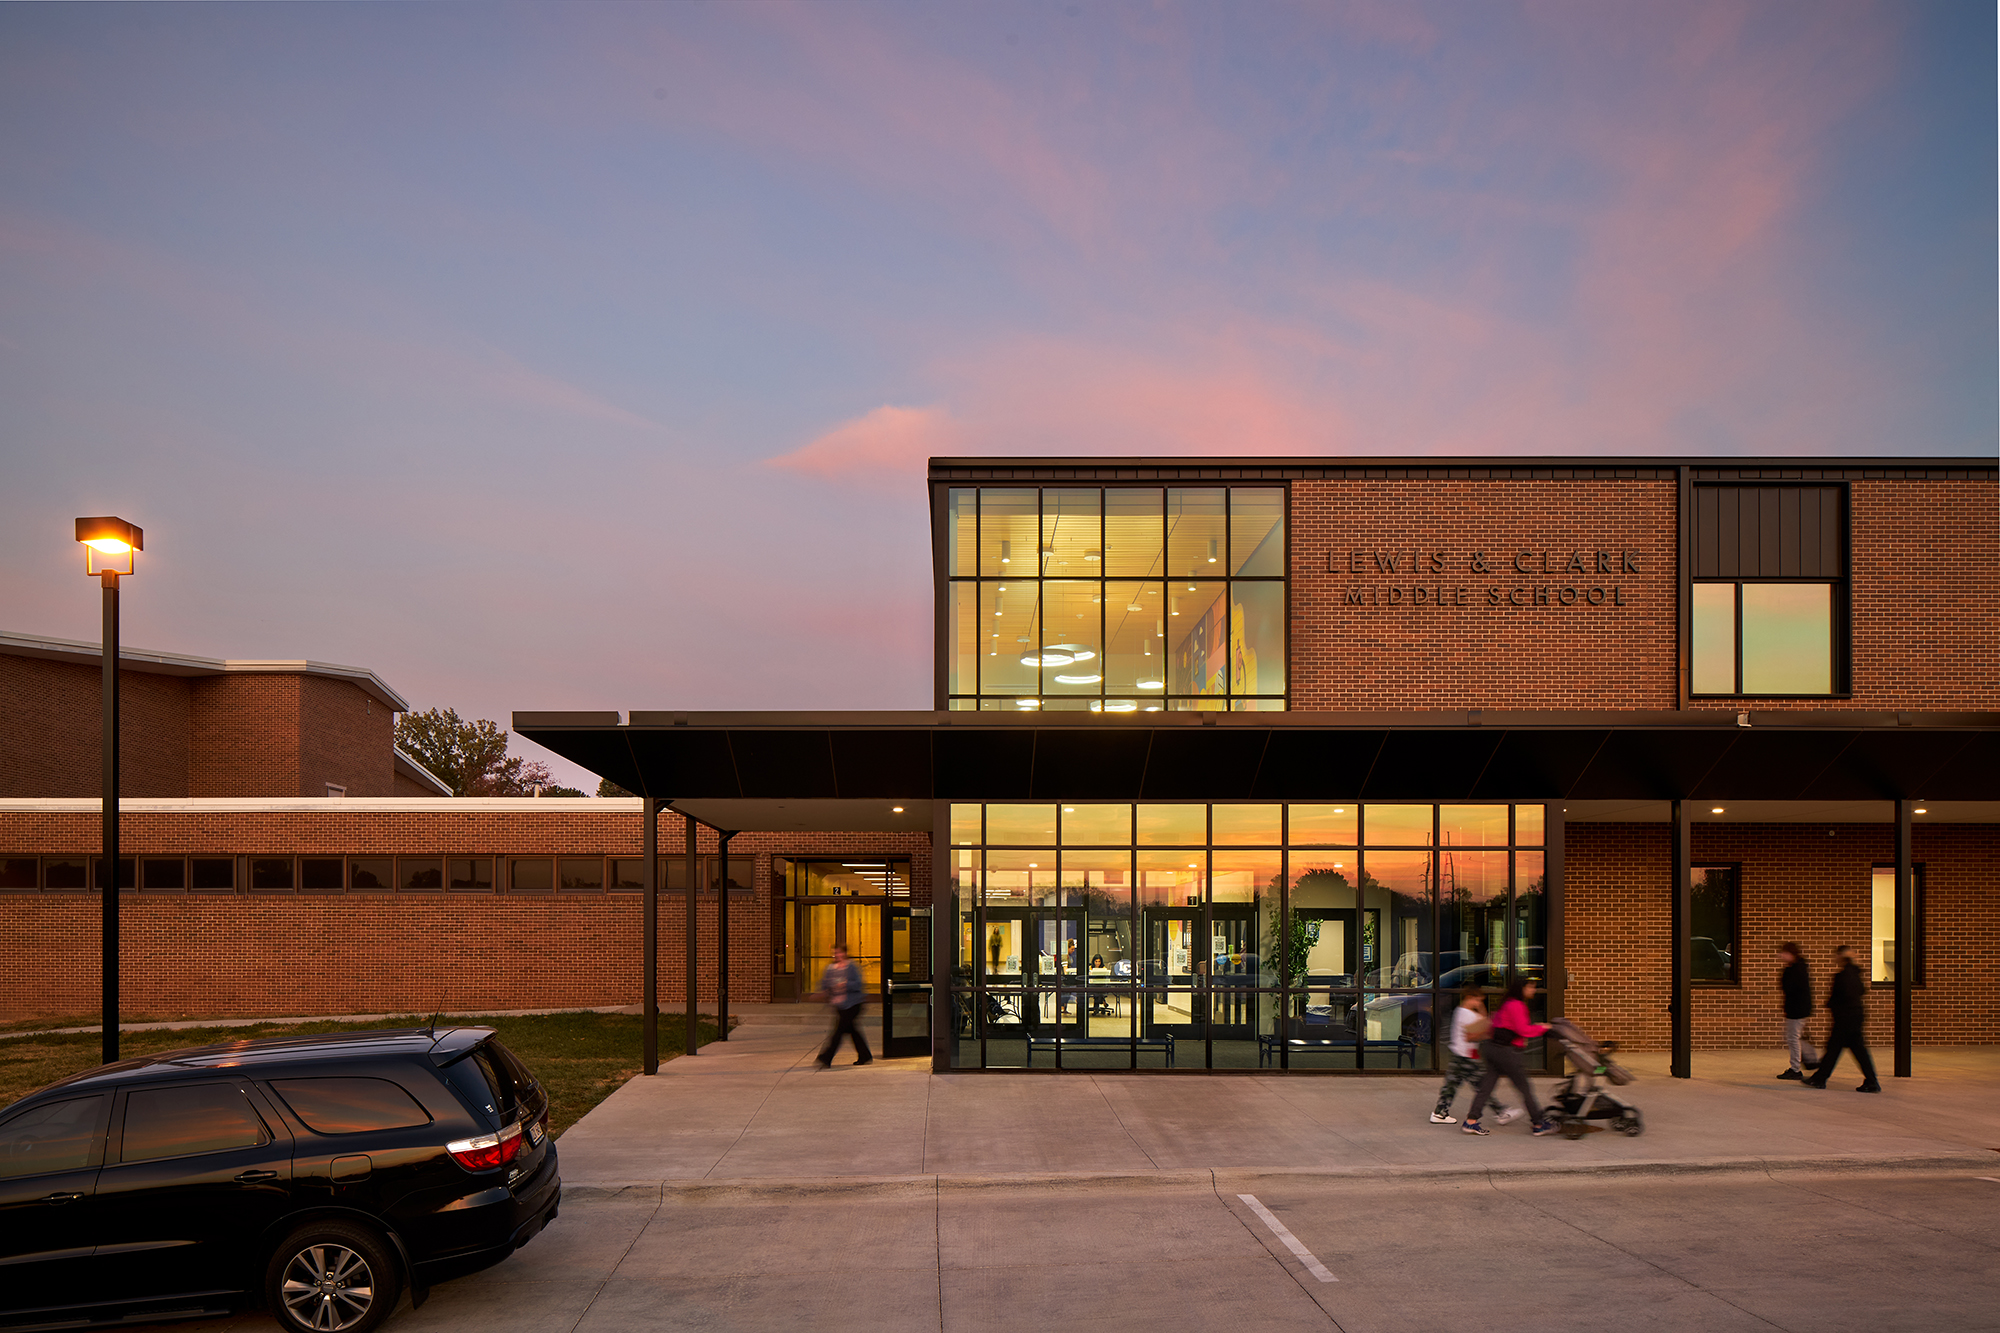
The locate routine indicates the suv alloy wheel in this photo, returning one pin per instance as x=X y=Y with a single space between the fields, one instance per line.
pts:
x=332 y=1277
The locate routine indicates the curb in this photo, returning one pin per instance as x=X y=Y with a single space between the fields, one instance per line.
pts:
x=606 y=1191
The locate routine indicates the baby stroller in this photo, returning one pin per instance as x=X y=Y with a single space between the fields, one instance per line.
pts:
x=1580 y=1098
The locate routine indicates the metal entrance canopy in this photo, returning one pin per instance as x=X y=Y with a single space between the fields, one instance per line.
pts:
x=793 y=771
x=889 y=771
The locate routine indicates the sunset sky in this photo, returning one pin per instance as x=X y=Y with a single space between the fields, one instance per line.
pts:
x=567 y=356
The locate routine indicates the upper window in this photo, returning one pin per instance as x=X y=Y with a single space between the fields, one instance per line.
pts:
x=1769 y=591
x=1115 y=600
x=192 y=1118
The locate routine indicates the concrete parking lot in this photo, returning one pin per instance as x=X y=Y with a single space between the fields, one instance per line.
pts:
x=745 y=1189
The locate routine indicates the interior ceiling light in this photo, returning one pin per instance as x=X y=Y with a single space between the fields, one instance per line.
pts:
x=1152 y=708
x=895 y=809
x=1134 y=606
x=1211 y=550
x=1006 y=553
x=1050 y=657
x=1715 y=810
x=1078 y=680
x=1069 y=809
x=1152 y=685
x=1121 y=705
x=1027 y=703
x=1920 y=810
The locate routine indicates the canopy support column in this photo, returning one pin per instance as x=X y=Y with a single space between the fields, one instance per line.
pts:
x=722 y=936
x=1556 y=974
x=649 y=931
x=1681 y=1008
x=1906 y=935
x=693 y=896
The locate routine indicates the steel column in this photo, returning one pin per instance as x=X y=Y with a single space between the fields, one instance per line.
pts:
x=944 y=924
x=649 y=1001
x=1552 y=903
x=108 y=888
x=1681 y=1007
x=1906 y=935
x=693 y=894
x=722 y=937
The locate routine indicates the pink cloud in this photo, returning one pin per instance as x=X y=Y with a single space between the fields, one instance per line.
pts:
x=883 y=446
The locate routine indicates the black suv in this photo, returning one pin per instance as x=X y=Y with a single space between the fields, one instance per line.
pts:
x=320 y=1173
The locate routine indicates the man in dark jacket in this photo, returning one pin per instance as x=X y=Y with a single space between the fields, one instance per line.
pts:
x=1844 y=1002
x=1795 y=982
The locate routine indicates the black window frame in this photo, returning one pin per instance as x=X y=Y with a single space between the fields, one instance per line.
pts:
x=1734 y=981
x=1917 y=922
x=945 y=581
x=1842 y=583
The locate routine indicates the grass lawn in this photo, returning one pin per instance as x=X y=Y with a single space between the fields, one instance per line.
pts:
x=579 y=1057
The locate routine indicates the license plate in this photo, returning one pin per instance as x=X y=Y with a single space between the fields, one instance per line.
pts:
x=535 y=1134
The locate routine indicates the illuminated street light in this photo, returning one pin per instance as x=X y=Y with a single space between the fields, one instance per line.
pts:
x=110 y=548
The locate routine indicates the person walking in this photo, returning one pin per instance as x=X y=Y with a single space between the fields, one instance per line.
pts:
x=1501 y=1054
x=1850 y=1015
x=840 y=987
x=1468 y=1025
x=1795 y=984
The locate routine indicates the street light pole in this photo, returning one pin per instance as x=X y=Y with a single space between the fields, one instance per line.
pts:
x=109 y=885
x=109 y=542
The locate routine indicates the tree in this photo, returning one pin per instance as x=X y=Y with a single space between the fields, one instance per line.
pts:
x=471 y=757
x=606 y=787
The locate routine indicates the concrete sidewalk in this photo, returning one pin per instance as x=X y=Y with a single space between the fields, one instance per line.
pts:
x=757 y=1108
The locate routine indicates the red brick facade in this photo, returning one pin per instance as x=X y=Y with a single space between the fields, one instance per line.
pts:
x=240 y=734
x=1805 y=883
x=1447 y=619
x=1428 y=594
x=374 y=952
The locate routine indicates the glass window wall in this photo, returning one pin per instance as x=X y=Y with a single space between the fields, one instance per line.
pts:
x=1240 y=935
x=1115 y=600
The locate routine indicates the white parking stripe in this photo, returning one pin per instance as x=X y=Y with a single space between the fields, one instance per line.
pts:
x=1313 y=1266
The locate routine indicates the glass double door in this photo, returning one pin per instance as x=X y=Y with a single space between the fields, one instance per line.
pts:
x=1197 y=978
x=877 y=935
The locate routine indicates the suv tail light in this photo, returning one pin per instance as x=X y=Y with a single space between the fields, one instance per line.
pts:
x=488 y=1150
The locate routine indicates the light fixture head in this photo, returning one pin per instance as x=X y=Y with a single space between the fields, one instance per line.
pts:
x=1048 y=657
x=1920 y=810
x=1121 y=705
x=109 y=544
x=1078 y=680
x=1715 y=810
x=1152 y=685
x=1027 y=703
x=895 y=809
x=1211 y=550
x=1006 y=552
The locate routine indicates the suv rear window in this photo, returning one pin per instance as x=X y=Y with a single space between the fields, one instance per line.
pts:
x=493 y=1080
x=350 y=1105
x=195 y=1118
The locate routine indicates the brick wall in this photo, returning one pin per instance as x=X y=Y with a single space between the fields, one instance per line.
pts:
x=295 y=953
x=345 y=737
x=51 y=730
x=1809 y=883
x=1926 y=631
x=245 y=739
x=1434 y=632
x=1926 y=609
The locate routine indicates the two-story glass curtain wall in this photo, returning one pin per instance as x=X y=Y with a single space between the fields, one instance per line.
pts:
x=1240 y=936
x=1115 y=600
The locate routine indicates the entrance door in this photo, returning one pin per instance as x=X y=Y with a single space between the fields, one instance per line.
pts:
x=1174 y=968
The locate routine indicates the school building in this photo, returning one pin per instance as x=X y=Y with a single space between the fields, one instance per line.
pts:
x=1232 y=765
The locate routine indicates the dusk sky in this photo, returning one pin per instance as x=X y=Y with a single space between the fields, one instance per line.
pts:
x=587 y=356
